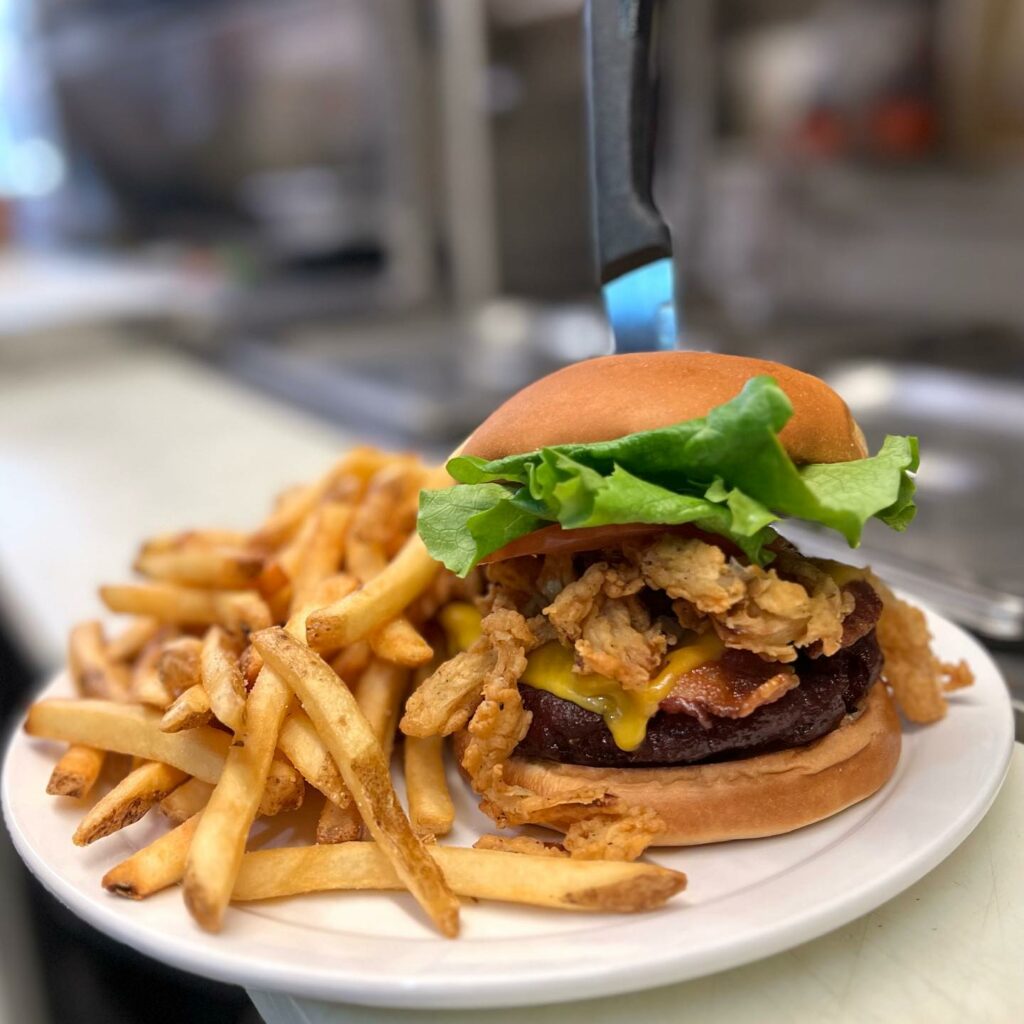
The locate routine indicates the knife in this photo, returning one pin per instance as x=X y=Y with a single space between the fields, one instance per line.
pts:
x=632 y=243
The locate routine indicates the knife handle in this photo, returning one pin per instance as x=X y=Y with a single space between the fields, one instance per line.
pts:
x=629 y=231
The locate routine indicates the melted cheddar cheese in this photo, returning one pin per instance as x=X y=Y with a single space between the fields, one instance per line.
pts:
x=625 y=712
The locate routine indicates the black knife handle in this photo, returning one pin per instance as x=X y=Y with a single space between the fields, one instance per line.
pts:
x=628 y=229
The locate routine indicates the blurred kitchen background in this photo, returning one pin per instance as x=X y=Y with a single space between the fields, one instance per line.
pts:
x=236 y=235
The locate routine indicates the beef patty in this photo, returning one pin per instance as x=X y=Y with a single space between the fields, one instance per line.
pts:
x=829 y=689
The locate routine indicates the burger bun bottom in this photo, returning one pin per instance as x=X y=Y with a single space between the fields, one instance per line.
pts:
x=757 y=796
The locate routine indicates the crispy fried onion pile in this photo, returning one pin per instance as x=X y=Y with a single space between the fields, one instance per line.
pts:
x=621 y=612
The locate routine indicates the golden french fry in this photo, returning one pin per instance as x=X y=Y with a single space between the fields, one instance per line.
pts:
x=291 y=511
x=301 y=744
x=239 y=611
x=284 y=789
x=154 y=867
x=193 y=566
x=379 y=696
x=76 y=772
x=130 y=641
x=184 y=540
x=351 y=662
x=188 y=710
x=430 y=804
x=338 y=823
x=219 y=840
x=332 y=588
x=400 y=641
x=388 y=507
x=179 y=665
x=381 y=599
x=295 y=506
x=188 y=799
x=222 y=678
x=91 y=667
x=380 y=693
x=250 y=663
x=280 y=570
x=365 y=558
x=135 y=730
x=358 y=755
x=146 y=686
x=321 y=556
x=364 y=463
x=339 y=819
x=128 y=801
x=584 y=885
x=598 y=885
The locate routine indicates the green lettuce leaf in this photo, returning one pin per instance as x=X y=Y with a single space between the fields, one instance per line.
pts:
x=726 y=472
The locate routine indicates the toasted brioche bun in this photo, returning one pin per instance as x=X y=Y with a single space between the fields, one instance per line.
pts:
x=601 y=399
x=745 y=799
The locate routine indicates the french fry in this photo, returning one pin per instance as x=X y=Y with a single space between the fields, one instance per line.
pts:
x=250 y=663
x=358 y=755
x=321 y=556
x=430 y=804
x=188 y=710
x=431 y=810
x=193 y=566
x=381 y=691
x=154 y=867
x=146 y=686
x=379 y=695
x=338 y=823
x=399 y=641
x=388 y=509
x=239 y=611
x=219 y=840
x=179 y=665
x=130 y=641
x=188 y=799
x=328 y=589
x=382 y=599
x=94 y=673
x=222 y=678
x=596 y=885
x=292 y=509
x=184 y=540
x=128 y=801
x=135 y=730
x=583 y=885
x=280 y=570
x=301 y=744
x=76 y=772
x=365 y=558
x=351 y=662
x=295 y=506
x=91 y=667
x=339 y=819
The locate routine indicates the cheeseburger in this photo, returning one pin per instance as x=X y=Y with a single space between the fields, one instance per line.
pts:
x=647 y=660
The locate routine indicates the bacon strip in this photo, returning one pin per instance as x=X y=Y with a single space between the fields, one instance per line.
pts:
x=733 y=687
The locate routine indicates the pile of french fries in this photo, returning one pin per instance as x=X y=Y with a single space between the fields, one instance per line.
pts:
x=263 y=669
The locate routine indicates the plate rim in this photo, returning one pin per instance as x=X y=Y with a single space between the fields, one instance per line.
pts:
x=482 y=990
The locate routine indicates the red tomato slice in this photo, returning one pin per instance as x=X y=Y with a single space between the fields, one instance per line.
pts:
x=551 y=540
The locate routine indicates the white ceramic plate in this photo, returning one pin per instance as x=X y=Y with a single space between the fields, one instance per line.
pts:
x=745 y=900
